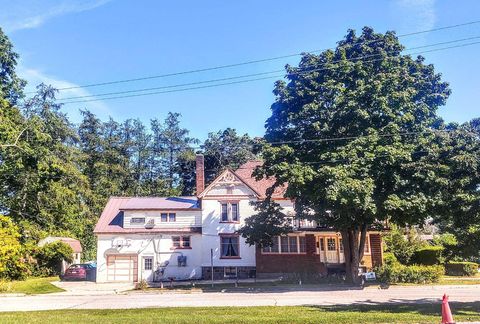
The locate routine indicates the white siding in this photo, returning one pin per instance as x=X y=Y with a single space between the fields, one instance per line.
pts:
x=145 y=245
x=183 y=218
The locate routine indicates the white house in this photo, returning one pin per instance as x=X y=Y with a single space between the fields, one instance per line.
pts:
x=177 y=237
x=180 y=238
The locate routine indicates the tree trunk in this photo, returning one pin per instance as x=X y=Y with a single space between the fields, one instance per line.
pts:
x=353 y=247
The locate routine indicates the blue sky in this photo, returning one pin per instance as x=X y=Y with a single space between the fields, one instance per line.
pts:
x=68 y=43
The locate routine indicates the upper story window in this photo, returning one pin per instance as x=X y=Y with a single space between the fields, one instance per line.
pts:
x=137 y=220
x=230 y=211
x=168 y=217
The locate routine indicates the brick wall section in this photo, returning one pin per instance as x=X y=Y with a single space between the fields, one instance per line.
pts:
x=291 y=263
x=376 y=248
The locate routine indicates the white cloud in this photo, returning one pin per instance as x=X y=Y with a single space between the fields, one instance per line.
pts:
x=416 y=14
x=17 y=15
x=35 y=77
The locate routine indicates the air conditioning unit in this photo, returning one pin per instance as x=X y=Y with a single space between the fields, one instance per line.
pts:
x=150 y=223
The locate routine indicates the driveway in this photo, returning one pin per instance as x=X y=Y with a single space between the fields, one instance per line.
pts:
x=275 y=297
x=88 y=288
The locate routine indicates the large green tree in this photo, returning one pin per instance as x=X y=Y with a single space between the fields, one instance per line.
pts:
x=354 y=123
x=226 y=149
x=11 y=86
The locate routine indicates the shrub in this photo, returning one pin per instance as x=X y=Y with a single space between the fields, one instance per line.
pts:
x=402 y=246
x=389 y=258
x=461 y=268
x=399 y=273
x=5 y=286
x=142 y=285
x=429 y=255
x=12 y=265
x=50 y=256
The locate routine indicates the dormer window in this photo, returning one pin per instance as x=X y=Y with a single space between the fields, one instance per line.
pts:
x=137 y=220
x=168 y=217
x=230 y=211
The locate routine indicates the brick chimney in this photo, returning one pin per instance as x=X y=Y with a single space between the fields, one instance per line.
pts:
x=200 y=173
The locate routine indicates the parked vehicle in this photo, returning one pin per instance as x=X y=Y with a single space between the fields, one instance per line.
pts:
x=84 y=271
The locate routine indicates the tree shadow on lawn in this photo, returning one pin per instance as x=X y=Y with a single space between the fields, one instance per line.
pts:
x=424 y=306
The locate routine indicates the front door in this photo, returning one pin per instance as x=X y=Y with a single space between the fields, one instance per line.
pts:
x=147 y=268
x=331 y=250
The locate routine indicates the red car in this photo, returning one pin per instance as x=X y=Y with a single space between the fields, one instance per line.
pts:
x=80 y=272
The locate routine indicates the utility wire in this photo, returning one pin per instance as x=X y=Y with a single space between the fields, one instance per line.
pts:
x=253 y=61
x=258 y=74
x=255 y=79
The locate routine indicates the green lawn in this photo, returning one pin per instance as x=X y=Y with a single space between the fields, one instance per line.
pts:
x=392 y=313
x=30 y=286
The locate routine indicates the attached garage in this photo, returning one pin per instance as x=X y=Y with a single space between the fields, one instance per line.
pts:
x=122 y=267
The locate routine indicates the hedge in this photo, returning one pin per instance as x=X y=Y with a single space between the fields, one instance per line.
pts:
x=429 y=255
x=461 y=268
x=398 y=273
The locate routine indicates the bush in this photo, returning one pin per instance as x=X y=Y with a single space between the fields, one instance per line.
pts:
x=461 y=268
x=142 y=285
x=429 y=255
x=389 y=258
x=50 y=256
x=5 y=286
x=402 y=246
x=399 y=273
x=12 y=262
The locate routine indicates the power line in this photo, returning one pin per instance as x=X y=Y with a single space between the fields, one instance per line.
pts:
x=252 y=61
x=343 y=138
x=251 y=80
x=255 y=74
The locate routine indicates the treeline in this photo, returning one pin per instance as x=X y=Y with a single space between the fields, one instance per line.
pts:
x=55 y=177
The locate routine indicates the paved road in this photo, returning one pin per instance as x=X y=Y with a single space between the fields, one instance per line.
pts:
x=426 y=294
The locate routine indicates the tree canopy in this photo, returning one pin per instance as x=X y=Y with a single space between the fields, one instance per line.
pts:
x=356 y=123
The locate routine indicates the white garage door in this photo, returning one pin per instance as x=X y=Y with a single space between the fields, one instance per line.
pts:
x=122 y=268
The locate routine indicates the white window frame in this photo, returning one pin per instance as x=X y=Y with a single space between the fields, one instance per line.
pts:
x=168 y=217
x=230 y=211
x=138 y=220
x=268 y=249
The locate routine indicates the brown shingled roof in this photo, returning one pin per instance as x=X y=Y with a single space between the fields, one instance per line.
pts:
x=245 y=172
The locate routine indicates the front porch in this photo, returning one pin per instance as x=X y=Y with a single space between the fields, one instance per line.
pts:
x=320 y=254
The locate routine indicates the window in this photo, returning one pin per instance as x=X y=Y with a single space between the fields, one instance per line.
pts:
x=331 y=244
x=137 y=220
x=229 y=246
x=302 y=244
x=322 y=244
x=186 y=241
x=176 y=241
x=224 y=212
x=164 y=217
x=340 y=245
x=230 y=272
x=287 y=244
x=147 y=263
x=230 y=212
x=168 y=217
x=181 y=242
x=366 y=248
x=234 y=212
